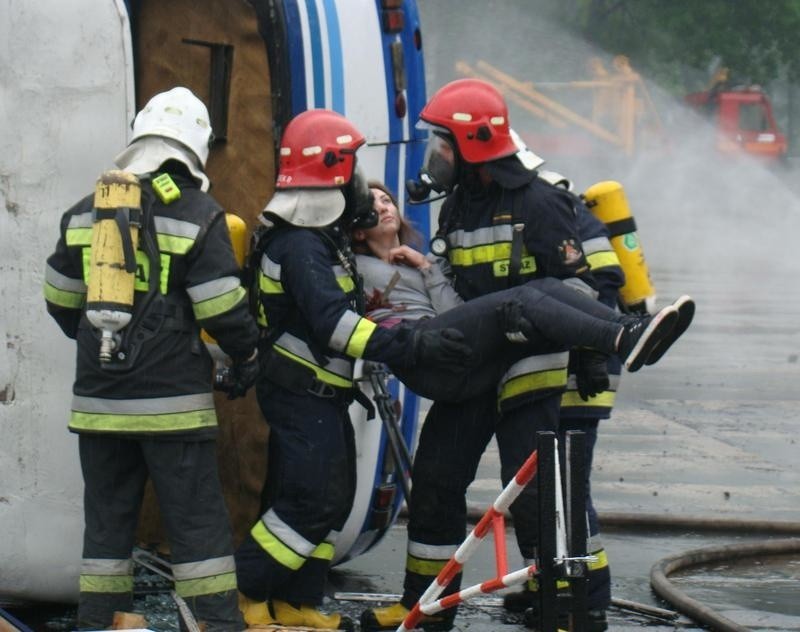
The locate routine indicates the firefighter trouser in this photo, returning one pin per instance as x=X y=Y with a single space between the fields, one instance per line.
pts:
x=561 y=316
x=599 y=574
x=309 y=493
x=452 y=441
x=186 y=482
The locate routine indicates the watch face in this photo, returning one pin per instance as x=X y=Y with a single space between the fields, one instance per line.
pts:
x=439 y=246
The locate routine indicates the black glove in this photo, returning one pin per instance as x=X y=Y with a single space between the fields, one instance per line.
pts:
x=440 y=347
x=591 y=373
x=243 y=376
x=516 y=327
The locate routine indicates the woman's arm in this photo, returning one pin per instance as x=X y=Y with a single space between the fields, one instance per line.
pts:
x=438 y=284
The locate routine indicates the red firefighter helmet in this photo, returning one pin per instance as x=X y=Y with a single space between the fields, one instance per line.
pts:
x=318 y=151
x=476 y=114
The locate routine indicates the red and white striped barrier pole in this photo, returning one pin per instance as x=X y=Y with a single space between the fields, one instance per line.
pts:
x=493 y=517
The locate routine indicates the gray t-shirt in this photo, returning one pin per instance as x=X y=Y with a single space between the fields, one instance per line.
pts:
x=416 y=294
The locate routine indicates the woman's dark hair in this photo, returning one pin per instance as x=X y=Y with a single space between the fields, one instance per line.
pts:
x=408 y=235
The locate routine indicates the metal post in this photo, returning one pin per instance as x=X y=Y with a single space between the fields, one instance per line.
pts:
x=546 y=482
x=577 y=531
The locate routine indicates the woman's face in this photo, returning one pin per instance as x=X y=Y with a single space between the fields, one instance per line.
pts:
x=388 y=215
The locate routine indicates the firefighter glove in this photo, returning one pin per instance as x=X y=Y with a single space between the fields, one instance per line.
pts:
x=440 y=347
x=243 y=376
x=515 y=325
x=591 y=373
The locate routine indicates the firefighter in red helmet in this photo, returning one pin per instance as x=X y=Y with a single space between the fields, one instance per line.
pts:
x=309 y=296
x=499 y=226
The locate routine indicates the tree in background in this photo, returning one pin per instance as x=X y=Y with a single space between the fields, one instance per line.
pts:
x=757 y=39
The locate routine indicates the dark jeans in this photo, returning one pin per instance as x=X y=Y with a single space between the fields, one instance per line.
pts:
x=562 y=318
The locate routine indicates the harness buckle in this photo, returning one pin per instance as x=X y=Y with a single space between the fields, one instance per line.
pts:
x=318 y=388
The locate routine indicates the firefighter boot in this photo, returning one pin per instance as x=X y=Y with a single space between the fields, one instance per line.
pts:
x=685 y=307
x=309 y=617
x=255 y=612
x=521 y=600
x=595 y=620
x=640 y=335
x=390 y=618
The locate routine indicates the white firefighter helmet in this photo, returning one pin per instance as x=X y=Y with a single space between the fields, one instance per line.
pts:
x=176 y=114
x=174 y=125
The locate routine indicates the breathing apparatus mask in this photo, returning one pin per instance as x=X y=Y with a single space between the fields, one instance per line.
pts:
x=359 y=211
x=440 y=168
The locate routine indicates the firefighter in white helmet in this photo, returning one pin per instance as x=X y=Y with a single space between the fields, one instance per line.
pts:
x=144 y=408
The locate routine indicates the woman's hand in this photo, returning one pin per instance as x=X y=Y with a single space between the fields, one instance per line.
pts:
x=407 y=256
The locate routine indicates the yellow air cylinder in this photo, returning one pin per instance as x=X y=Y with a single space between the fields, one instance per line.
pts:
x=238 y=232
x=112 y=266
x=608 y=203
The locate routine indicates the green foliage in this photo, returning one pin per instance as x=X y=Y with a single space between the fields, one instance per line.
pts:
x=758 y=40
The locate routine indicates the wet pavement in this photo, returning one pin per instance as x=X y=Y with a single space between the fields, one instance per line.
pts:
x=710 y=432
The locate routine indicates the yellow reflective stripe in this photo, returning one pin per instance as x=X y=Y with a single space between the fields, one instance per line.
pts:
x=479 y=254
x=346 y=283
x=322 y=374
x=360 y=337
x=141 y=281
x=262 y=316
x=78 y=237
x=602 y=561
x=219 y=304
x=164 y=422
x=174 y=244
x=533 y=585
x=206 y=585
x=275 y=548
x=602 y=259
x=106 y=583
x=269 y=286
x=424 y=567
x=533 y=382
x=604 y=399
x=324 y=551
x=64 y=298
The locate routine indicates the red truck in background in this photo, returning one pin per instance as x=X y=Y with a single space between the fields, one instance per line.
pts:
x=743 y=119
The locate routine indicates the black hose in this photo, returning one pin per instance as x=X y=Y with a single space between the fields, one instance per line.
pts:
x=661 y=570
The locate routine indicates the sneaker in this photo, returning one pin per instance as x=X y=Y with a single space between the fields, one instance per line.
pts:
x=309 y=617
x=641 y=334
x=595 y=620
x=255 y=612
x=685 y=307
x=390 y=618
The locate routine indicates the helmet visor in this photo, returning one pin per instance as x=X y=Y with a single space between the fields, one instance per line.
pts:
x=439 y=166
x=360 y=211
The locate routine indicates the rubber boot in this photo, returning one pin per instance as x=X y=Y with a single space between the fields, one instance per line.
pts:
x=390 y=617
x=595 y=621
x=255 y=612
x=309 y=617
x=521 y=600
